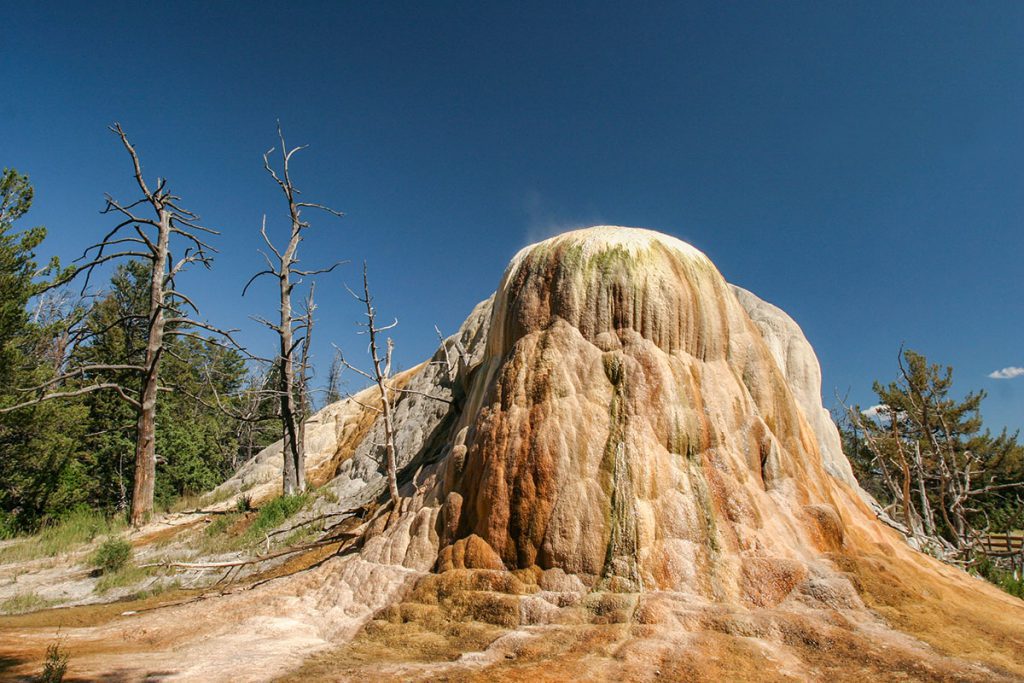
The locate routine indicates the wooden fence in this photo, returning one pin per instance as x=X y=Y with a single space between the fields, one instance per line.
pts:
x=1009 y=546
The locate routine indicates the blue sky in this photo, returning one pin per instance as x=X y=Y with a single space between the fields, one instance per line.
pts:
x=857 y=164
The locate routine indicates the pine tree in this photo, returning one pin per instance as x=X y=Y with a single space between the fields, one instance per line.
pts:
x=941 y=472
x=37 y=446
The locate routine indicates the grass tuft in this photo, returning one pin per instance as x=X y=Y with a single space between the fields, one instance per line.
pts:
x=128 y=575
x=220 y=525
x=236 y=530
x=274 y=513
x=24 y=602
x=244 y=503
x=55 y=665
x=74 y=530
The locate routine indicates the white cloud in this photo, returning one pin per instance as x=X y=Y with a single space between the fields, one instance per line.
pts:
x=873 y=411
x=1007 y=373
x=882 y=413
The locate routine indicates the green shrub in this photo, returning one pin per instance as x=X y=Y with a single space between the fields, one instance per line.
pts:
x=1011 y=585
x=8 y=525
x=220 y=524
x=55 y=665
x=244 y=503
x=987 y=570
x=274 y=513
x=112 y=556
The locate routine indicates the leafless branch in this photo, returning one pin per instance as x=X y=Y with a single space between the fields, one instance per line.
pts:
x=76 y=392
x=82 y=370
x=319 y=271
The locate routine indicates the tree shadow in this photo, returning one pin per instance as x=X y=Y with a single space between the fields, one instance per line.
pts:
x=7 y=663
x=123 y=676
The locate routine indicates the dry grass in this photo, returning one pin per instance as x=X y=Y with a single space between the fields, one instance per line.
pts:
x=198 y=501
x=128 y=575
x=62 y=537
x=95 y=614
x=23 y=603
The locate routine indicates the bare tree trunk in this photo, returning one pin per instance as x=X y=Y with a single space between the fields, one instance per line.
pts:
x=333 y=381
x=293 y=472
x=389 y=425
x=249 y=417
x=302 y=388
x=286 y=370
x=922 y=494
x=909 y=513
x=380 y=376
x=145 y=442
x=294 y=476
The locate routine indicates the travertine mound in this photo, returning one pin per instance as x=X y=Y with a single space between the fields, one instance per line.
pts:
x=630 y=425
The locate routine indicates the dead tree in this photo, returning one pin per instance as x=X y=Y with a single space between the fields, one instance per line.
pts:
x=380 y=376
x=152 y=239
x=934 y=463
x=303 y=399
x=333 y=390
x=453 y=369
x=388 y=391
x=292 y=331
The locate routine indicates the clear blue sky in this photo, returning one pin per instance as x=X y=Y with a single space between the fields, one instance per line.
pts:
x=858 y=164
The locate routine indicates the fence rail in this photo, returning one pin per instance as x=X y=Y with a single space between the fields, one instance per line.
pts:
x=1002 y=544
x=1005 y=546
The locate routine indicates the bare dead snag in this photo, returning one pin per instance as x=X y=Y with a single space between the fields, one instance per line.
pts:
x=333 y=393
x=302 y=381
x=149 y=238
x=252 y=560
x=380 y=377
x=250 y=416
x=293 y=354
x=453 y=367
